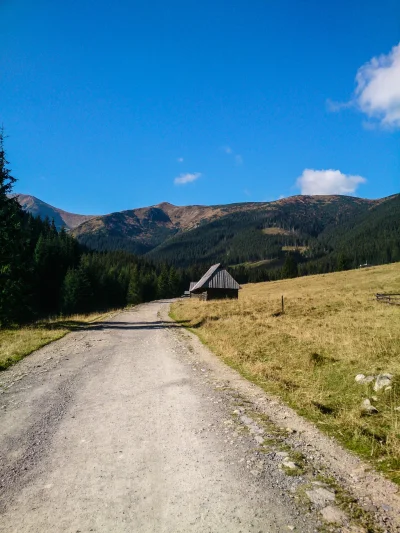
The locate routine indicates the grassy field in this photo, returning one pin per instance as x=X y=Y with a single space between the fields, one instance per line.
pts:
x=332 y=330
x=16 y=343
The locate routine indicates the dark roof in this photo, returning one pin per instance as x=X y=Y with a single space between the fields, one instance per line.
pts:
x=216 y=277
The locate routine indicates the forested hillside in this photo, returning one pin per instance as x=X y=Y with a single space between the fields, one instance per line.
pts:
x=261 y=234
x=302 y=235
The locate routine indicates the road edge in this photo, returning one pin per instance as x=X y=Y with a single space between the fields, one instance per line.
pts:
x=374 y=493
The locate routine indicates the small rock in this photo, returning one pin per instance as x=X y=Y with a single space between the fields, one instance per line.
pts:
x=382 y=381
x=388 y=389
x=333 y=515
x=397 y=408
x=360 y=378
x=368 y=408
x=282 y=454
x=259 y=439
x=290 y=465
x=320 y=496
x=291 y=528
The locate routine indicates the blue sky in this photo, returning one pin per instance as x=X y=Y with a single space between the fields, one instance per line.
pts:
x=115 y=105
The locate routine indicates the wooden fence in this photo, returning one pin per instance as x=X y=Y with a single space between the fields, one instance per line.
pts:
x=393 y=299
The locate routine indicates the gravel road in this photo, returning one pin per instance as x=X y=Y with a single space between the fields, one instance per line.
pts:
x=116 y=430
x=123 y=427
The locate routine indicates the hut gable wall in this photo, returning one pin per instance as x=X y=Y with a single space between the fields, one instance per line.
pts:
x=221 y=279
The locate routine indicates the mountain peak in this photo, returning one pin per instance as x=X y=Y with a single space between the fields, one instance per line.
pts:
x=163 y=205
x=38 y=208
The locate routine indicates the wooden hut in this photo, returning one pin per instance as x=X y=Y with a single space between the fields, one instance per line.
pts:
x=216 y=284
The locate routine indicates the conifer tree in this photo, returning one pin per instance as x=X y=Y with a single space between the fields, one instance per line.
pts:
x=290 y=268
x=163 y=283
x=11 y=244
x=174 y=282
x=134 y=295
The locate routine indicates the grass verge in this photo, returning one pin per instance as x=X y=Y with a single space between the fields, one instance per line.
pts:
x=332 y=330
x=18 y=342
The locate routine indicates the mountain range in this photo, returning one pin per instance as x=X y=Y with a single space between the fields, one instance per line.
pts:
x=251 y=233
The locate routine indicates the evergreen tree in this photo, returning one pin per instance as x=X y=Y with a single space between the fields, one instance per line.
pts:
x=12 y=305
x=174 y=283
x=76 y=292
x=163 y=283
x=290 y=267
x=134 y=295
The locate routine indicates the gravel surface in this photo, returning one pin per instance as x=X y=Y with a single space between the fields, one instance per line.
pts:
x=133 y=426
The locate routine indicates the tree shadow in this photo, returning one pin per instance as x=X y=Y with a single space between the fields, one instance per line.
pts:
x=77 y=325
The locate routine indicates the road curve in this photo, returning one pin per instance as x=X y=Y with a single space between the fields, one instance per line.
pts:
x=120 y=429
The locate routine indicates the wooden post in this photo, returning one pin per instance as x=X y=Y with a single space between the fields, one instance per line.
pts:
x=283 y=306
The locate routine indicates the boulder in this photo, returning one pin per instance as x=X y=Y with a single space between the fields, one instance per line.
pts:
x=382 y=381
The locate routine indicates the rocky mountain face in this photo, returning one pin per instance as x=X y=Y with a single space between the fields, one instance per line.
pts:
x=61 y=218
x=142 y=230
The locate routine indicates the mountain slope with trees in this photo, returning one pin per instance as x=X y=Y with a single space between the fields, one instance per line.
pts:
x=260 y=241
x=45 y=271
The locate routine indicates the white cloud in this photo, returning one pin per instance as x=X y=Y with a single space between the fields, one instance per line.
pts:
x=238 y=159
x=180 y=159
x=227 y=149
x=187 y=178
x=378 y=88
x=247 y=192
x=377 y=93
x=328 y=182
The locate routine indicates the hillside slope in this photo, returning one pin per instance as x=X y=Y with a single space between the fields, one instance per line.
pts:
x=143 y=229
x=41 y=209
x=263 y=232
x=325 y=232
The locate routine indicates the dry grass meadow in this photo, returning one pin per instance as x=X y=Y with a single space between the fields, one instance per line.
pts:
x=332 y=330
x=16 y=343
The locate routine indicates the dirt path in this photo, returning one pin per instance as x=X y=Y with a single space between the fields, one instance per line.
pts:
x=125 y=428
